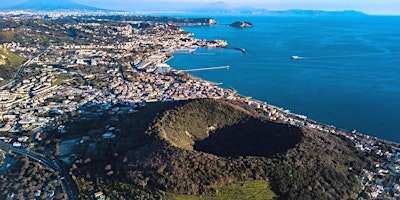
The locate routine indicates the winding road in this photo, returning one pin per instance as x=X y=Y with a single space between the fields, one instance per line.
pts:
x=67 y=182
x=22 y=68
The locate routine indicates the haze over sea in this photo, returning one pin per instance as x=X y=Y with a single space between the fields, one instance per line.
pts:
x=349 y=77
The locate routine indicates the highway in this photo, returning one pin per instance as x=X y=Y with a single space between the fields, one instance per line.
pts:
x=67 y=182
x=22 y=68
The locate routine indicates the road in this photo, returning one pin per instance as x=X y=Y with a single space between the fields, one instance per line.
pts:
x=67 y=182
x=22 y=68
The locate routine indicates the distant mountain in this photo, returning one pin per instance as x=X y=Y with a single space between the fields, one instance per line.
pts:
x=262 y=11
x=158 y=7
x=298 y=12
x=222 y=8
x=215 y=8
x=52 y=5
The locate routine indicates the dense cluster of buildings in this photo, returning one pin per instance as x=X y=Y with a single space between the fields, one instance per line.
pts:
x=48 y=88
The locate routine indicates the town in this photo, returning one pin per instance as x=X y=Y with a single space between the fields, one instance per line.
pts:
x=73 y=64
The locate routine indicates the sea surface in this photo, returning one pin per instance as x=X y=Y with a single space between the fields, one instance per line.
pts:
x=348 y=75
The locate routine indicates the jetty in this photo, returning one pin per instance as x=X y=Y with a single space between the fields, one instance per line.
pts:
x=206 y=68
x=203 y=53
x=184 y=51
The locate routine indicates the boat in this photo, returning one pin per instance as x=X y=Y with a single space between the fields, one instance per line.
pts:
x=295 y=57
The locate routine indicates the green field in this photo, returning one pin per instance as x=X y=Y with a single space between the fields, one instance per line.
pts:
x=62 y=77
x=9 y=63
x=254 y=190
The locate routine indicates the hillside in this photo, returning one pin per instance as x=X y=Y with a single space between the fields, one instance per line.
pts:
x=300 y=163
x=9 y=63
x=181 y=150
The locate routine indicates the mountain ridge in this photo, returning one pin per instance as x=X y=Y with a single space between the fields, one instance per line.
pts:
x=212 y=8
x=219 y=10
x=52 y=5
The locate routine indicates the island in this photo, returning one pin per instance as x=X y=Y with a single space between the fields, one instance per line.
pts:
x=241 y=24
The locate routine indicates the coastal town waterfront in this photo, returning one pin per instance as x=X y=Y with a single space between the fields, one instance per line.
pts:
x=120 y=66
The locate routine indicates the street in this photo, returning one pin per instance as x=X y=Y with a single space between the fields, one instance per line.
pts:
x=67 y=182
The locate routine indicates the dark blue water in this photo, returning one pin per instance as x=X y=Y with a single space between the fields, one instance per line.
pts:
x=349 y=77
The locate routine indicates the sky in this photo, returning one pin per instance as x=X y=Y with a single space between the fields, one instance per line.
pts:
x=381 y=7
x=388 y=7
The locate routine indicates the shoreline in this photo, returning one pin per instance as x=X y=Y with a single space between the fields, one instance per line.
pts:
x=194 y=77
x=349 y=129
x=283 y=110
x=333 y=128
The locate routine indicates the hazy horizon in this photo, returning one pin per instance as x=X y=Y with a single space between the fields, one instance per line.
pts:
x=383 y=7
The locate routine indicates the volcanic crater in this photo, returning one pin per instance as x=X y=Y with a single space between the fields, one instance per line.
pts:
x=226 y=130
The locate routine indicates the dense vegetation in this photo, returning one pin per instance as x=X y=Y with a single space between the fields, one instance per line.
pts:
x=25 y=178
x=222 y=129
x=91 y=170
x=194 y=121
x=252 y=137
x=24 y=32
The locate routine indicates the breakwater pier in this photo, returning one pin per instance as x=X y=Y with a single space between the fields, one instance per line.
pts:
x=206 y=68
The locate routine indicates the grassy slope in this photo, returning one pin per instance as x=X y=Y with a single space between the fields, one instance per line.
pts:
x=9 y=63
x=181 y=126
x=255 y=190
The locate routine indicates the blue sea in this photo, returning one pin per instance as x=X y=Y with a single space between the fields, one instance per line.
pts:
x=348 y=75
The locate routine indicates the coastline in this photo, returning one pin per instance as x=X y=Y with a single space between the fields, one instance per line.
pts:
x=192 y=76
x=269 y=107
x=332 y=129
x=383 y=150
x=271 y=70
